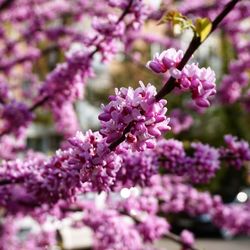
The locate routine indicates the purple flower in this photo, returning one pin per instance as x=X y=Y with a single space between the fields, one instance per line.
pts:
x=138 y=110
x=38 y=181
x=98 y=165
x=145 y=203
x=153 y=228
x=187 y=239
x=35 y=239
x=109 y=26
x=234 y=218
x=179 y=121
x=66 y=81
x=200 y=81
x=112 y=231
x=236 y=151
x=230 y=90
x=163 y=62
x=16 y=117
x=172 y=155
x=66 y=121
x=233 y=85
x=9 y=146
x=137 y=167
x=204 y=163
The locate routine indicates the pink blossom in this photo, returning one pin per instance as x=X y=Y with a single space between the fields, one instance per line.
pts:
x=16 y=116
x=137 y=109
x=153 y=228
x=98 y=166
x=236 y=152
x=187 y=239
x=166 y=60
x=109 y=26
x=200 y=81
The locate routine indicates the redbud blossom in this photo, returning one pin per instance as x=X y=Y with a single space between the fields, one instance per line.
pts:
x=187 y=239
x=236 y=151
x=200 y=81
x=137 y=109
x=163 y=62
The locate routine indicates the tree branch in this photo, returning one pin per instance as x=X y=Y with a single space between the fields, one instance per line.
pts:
x=42 y=101
x=46 y=98
x=193 y=46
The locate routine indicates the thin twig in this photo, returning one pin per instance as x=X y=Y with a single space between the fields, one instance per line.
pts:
x=126 y=11
x=113 y=145
x=46 y=98
x=193 y=46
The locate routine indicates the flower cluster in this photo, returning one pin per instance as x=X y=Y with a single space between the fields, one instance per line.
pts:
x=31 y=55
x=109 y=26
x=88 y=163
x=233 y=85
x=203 y=164
x=199 y=167
x=172 y=155
x=21 y=178
x=199 y=81
x=140 y=205
x=166 y=60
x=138 y=110
x=9 y=146
x=180 y=197
x=128 y=154
x=112 y=231
x=233 y=218
x=176 y=196
x=236 y=151
x=65 y=83
x=179 y=121
x=138 y=10
x=137 y=167
x=10 y=236
x=187 y=239
x=98 y=164
x=152 y=228
x=16 y=116
x=66 y=121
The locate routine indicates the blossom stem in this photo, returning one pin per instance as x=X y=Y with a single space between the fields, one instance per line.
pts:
x=113 y=145
x=43 y=100
x=125 y=12
x=193 y=46
x=171 y=83
x=39 y=103
x=46 y=98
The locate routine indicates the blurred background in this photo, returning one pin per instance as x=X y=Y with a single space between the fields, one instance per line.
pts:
x=127 y=69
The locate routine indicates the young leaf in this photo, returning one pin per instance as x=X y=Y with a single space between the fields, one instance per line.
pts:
x=176 y=18
x=203 y=27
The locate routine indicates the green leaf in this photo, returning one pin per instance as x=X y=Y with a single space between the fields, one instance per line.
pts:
x=176 y=18
x=203 y=27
